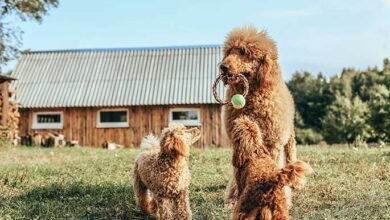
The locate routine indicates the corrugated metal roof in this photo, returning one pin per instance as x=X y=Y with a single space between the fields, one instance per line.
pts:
x=118 y=77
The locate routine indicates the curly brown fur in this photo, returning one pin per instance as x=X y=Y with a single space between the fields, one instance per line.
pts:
x=269 y=102
x=260 y=182
x=161 y=175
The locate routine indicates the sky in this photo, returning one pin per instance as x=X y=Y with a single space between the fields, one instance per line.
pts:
x=315 y=36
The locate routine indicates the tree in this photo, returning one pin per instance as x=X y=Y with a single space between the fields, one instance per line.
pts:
x=386 y=65
x=312 y=96
x=379 y=103
x=346 y=120
x=343 y=85
x=10 y=36
x=354 y=105
x=363 y=83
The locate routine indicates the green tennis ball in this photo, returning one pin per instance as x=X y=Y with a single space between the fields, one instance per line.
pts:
x=238 y=101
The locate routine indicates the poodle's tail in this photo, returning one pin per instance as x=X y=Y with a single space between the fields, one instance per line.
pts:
x=141 y=194
x=262 y=194
x=150 y=142
x=293 y=174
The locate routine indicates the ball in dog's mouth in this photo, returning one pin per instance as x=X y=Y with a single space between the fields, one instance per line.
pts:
x=238 y=101
x=237 y=78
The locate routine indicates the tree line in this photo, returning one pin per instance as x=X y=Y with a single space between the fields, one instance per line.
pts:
x=351 y=107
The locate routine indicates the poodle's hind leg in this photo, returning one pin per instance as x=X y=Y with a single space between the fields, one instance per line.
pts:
x=240 y=214
x=290 y=149
x=164 y=209
x=231 y=192
x=280 y=209
x=288 y=192
x=142 y=197
x=182 y=205
x=290 y=153
x=265 y=213
x=237 y=214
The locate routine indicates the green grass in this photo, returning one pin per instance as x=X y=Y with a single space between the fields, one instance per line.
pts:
x=39 y=183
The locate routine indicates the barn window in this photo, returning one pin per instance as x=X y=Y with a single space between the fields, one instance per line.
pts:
x=186 y=116
x=113 y=118
x=48 y=120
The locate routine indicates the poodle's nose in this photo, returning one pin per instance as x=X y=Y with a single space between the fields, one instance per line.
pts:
x=224 y=68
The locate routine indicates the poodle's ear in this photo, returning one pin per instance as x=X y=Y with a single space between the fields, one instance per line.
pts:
x=264 y=74
x=173 y=144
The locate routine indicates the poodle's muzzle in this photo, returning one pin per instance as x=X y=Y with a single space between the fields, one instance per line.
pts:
x=228 y=77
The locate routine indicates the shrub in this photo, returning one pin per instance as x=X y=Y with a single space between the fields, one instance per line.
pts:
x=308 y=136
x=359 y=143
x=345 y=120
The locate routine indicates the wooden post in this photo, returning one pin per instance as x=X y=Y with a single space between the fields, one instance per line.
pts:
x=5 y=95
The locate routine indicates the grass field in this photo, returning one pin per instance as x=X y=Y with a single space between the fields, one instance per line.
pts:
x=39 y=183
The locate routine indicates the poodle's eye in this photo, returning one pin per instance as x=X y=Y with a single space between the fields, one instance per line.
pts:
x=242 y=52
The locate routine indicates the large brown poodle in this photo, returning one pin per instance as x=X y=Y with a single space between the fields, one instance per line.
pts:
x=161 y=175
x=269 y=102
x=260 y=182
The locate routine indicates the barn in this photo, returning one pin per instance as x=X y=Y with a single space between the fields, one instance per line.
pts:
x=119 y=95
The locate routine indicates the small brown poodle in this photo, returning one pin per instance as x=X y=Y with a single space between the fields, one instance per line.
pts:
x=260 y=182
x=269 y=102
x=161 y=174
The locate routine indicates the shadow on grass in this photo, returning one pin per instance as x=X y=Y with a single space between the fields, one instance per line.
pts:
x=77 y=200
x=209 y=188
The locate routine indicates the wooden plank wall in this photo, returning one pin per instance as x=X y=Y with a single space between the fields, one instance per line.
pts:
x=4 y=103
x=80 y=124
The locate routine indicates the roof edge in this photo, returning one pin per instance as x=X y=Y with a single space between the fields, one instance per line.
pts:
x=5 y=77
x=125 y=48
x=116 y=106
